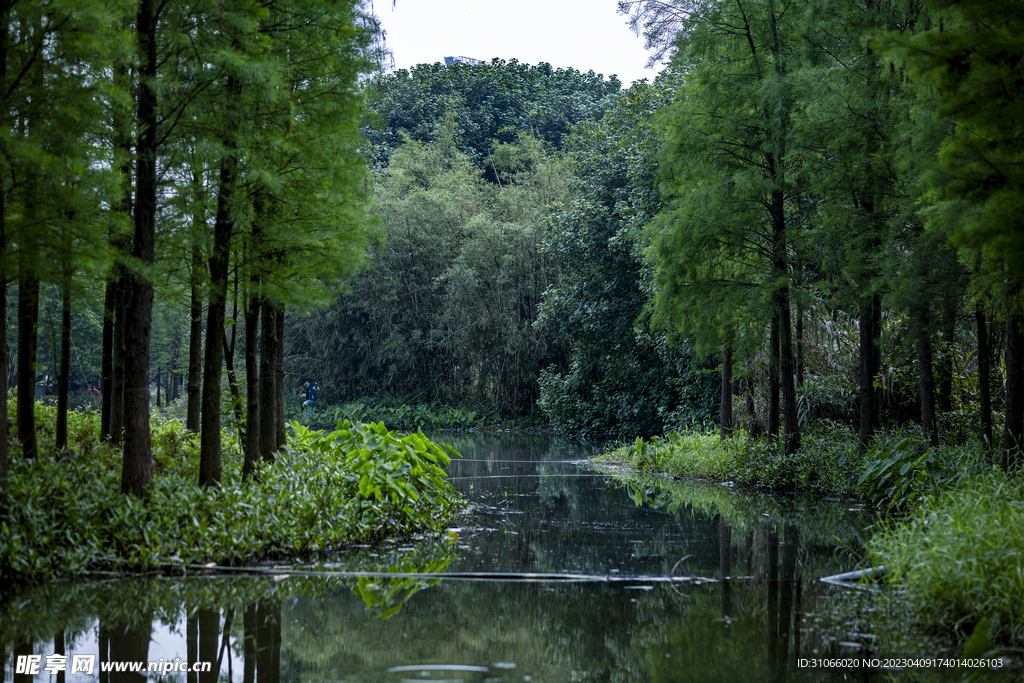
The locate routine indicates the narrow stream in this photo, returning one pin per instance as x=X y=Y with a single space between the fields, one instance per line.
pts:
x=563 y=572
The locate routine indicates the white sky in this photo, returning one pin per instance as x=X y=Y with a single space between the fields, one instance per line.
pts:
x=583 y=34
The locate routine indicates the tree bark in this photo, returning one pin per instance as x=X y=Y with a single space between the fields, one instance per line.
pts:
x=195 y=346
x=984 y=377
x=790 y=418
x=252 y=394
x=28 y=333
x=926 y=381
x=210 y=444
x=1013 y=430
x=725 y=414
x=137 y=467
x=268 y=383
x=772 y=422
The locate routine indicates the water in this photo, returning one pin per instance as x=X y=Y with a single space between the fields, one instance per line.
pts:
x=561 y=573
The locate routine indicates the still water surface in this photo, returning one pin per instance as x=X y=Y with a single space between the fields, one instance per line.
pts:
x=562 y=572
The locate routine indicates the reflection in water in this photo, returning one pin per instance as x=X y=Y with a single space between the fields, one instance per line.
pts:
x=743 y=614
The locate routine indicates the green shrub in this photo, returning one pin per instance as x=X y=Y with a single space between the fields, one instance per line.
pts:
x=358 y=484
x=959 y=558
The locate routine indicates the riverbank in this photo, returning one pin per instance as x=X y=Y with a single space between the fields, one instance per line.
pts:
x=326 y=491
x=953 y=549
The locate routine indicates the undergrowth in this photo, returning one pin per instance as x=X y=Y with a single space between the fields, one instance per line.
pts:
x=957 y=561
x=895 y=472
x=357 y=484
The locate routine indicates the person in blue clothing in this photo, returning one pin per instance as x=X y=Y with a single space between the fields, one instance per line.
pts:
x=310 y=389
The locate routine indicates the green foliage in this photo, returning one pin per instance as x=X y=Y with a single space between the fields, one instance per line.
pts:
x=358 y=484
x=897 y=471
x=445 y=313
x=490 y=102
x=957 y=559
x=621 y=379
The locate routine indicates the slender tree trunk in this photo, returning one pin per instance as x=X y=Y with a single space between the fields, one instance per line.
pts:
x=195 y=345
x=210 y=445
x=790 y=419
x=236 y=392
x=984 y=377
x=279 y=430
x=725 y=414
x=773 y=380
x=112 y=381
x=926 y=381
x=28 y=334
x=268 y=383
x=64 y=377
x=870 y=333
x=158 y=377
x=137 y=452
x=252 y=394
x=1013 y=430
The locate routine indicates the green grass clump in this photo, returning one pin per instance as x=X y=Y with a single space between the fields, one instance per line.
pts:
x=959 y=558
x=897 y=470
x=358 y=484
x=825 y=463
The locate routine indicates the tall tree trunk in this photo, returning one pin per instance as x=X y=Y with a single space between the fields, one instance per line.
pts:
x=112 y=380
x=926 y=382
x=195 y=345
x=725 y=414
x=28 y=334
x=1013 y=430
x=984 y=377
x=210 y=445
x=772 y=422
x=790 y=418
x=64 y=376
x=137 y=468
x=279 y=430
x=158 y=377
x=268 y=383
x=870 y=334
x=252 y=394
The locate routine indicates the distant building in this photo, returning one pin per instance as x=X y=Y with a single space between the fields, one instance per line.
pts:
x=462 y=60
